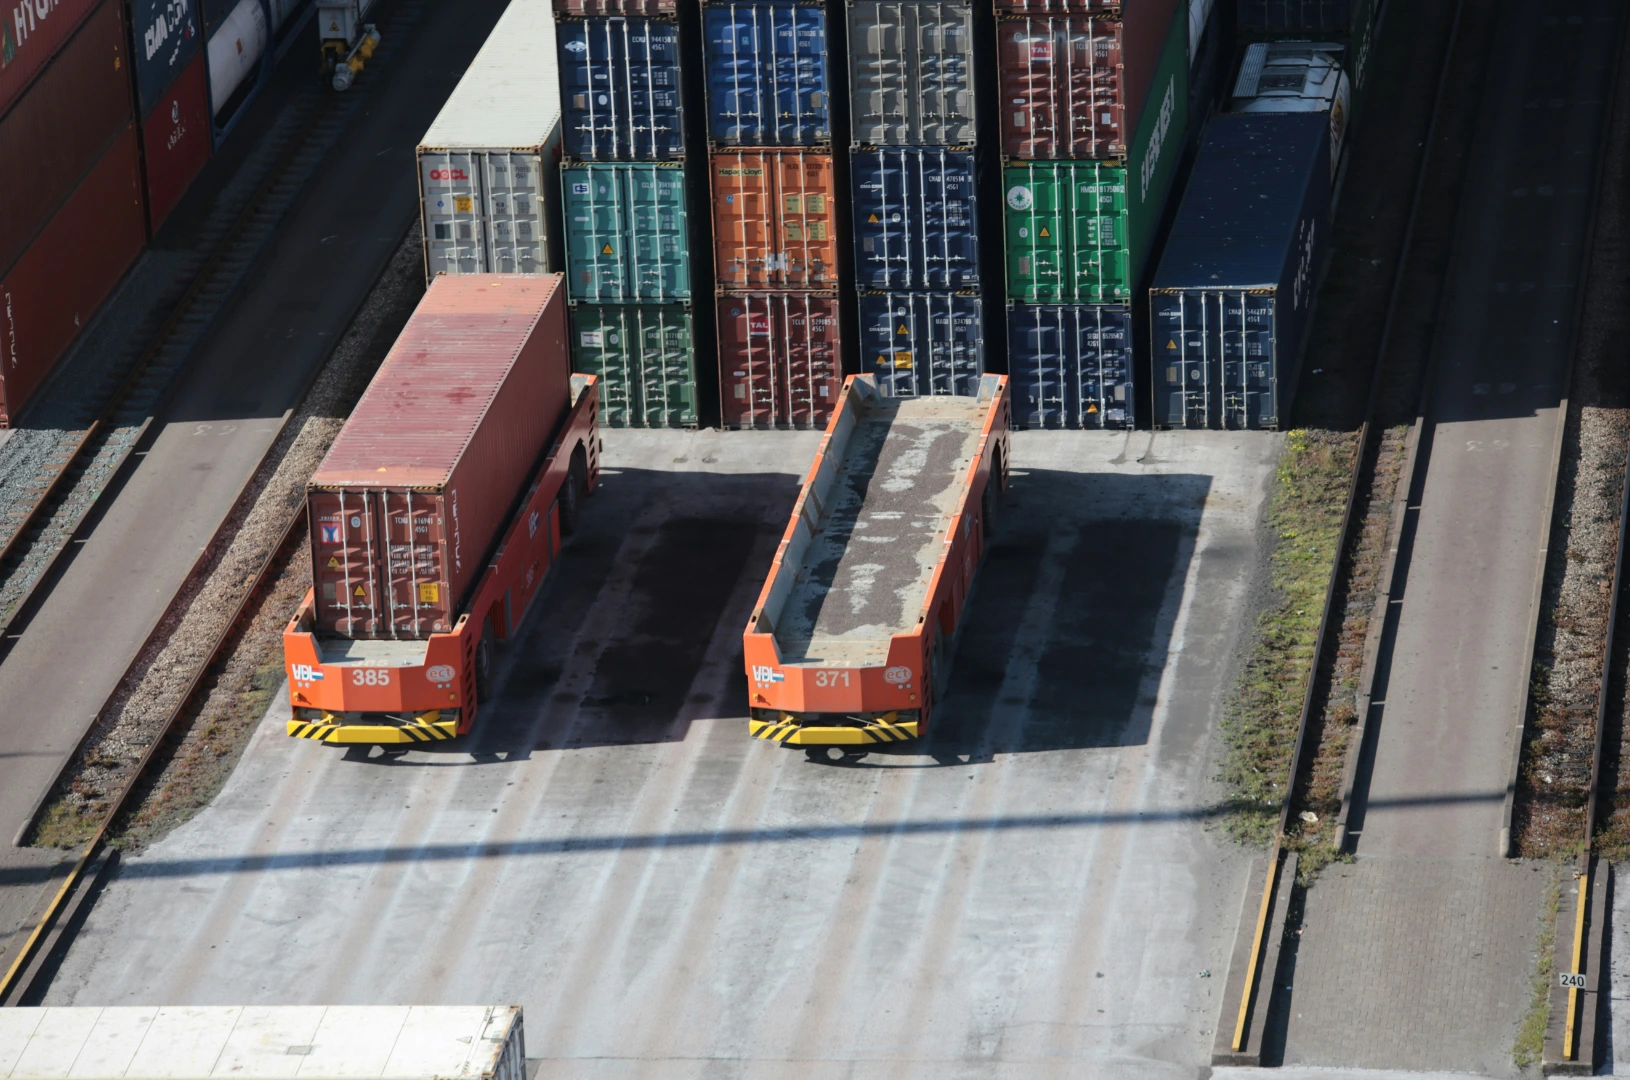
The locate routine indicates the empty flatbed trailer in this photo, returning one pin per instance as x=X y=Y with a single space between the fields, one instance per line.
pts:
x=852 y=638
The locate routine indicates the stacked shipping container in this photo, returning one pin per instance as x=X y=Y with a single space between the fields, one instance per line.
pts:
x=1094 y=110
x=172 y=99
x=914 y=165
x=776 y=211
x=627 y=209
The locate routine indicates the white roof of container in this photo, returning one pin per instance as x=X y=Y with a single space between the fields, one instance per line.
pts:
x=278 y=1042
x=510 y=95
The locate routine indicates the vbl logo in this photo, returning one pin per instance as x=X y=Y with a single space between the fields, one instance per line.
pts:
x=764 y=674
x=305 y=673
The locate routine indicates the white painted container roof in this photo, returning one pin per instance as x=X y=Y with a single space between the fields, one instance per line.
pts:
x=279 y=1042
x=510 y=95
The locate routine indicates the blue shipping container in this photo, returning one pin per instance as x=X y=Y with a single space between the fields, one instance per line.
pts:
x=1230 y=301
x=619 y=82
x=166 y=37
x=1071 y=365
x=915 y=218
x=767 y=74
x=922 y=344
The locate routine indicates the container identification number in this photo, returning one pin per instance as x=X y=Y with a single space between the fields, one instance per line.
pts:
x=371 y=677
x=831 y=678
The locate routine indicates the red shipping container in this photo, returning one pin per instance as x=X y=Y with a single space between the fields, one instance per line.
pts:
x=1074 y=87
x=775 y=220
x=30 y=37
x=61 y=127
x=780 y=364
x=1070 y=7
x=61 y=280
x=425 y=474
x=176 y=141
x=616 y=7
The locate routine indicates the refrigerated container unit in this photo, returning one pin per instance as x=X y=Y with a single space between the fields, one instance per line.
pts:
x=1071 y=365
x=1231 y=298
x=768 y=76
x=620 y=89
x=627 y=232
x=1348 y=23
x=775 y=220
x=1081 y=231
x=645 y=357
x=780 y=359
x=911 y=73
x=919 y=344
x=488 y=182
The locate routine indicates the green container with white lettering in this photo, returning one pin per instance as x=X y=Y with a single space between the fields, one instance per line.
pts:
x=1081 y=231
x=645 y=357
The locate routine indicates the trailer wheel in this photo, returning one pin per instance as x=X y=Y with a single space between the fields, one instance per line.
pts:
x=991 y=502
x=572 y=492
x=483 y=668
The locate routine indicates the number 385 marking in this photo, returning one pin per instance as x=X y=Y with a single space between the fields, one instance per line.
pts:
x=831 y=678
x=370 y=677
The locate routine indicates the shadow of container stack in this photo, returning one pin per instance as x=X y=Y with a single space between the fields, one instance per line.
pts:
x=777 y=210
x=1094 y=98
x=631 y=226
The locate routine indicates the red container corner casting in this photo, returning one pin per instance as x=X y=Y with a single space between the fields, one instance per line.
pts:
x=176 y=140
x=779 y=359
x=425 y=473
x=63 y=277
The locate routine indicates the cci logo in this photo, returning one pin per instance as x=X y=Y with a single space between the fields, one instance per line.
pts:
x=305 y=673
x=897 y=675
x=441 y=673
x=764 y=675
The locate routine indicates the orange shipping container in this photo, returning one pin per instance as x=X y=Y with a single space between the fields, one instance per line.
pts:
x=775 y=220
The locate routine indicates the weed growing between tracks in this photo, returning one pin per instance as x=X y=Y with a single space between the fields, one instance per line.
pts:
x=1530 y=1044
x=1265 y=706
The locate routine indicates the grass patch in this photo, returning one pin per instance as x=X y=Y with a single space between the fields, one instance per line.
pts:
x=1530 y=1044
x=1264 y=708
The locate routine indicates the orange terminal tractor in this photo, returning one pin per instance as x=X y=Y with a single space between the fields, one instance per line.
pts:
x=437 y=512
x=852 y=638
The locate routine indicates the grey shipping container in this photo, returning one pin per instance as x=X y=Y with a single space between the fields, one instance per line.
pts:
x=1071 y=365
x=915 y=218
x=645 y=357
x=620 y=89
x=921 y=344
x=488 y=185
x=1230 y=301
x=911 y=73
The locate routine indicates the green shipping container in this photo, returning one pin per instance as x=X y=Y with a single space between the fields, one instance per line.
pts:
x=627 y=236
x=645 y=358
x=1080 y=231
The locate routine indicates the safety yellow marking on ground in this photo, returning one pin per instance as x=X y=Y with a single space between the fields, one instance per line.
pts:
x=1569 y=1051
x=1256 y=948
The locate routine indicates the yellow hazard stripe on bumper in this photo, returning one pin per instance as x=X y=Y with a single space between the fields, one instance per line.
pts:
x=325 y=731
x=791 y=733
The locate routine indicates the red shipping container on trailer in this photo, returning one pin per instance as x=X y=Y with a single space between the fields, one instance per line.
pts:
x=30 y=35
x=61 y=280
x=1074 y=87
x=424 y=475
x=61 y=127
x=780 y=364
x=176 y=141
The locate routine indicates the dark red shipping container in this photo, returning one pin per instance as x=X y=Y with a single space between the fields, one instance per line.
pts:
x=176 y=141
x=422 y=479
x=61 y=280
x=616 y=7
x=780 y=364
x=62 y=127
x=1069 y=7
x=30 y=37
x=1074 y=87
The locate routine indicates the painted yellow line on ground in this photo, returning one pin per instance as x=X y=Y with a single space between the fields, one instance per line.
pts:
x=1256 y=948
x=1569 y=1051
x=40 y=928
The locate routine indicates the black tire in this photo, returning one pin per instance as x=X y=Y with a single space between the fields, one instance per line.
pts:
x=990 y=504
x=483 y=668
x=940 y=665
x=572 y=493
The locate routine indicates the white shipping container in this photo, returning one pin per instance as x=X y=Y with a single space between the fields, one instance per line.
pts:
x=489 y=185
x=178 y=1042
x=237 y=44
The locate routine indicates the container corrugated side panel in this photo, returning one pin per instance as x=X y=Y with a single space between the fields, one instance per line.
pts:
x=915 y=218
x=768 y=77
x=176 y=142
x=645 y=357
x=780 y=359
x=923 y=344
x=775 y=220
x=616 y=7
x=911 y=73
x=56 y=132
x=620 y=91
x=31 y=37
x=460 y=410
x=58 y=284
x=1071 y=365
x=165 y=37
x=627 y=232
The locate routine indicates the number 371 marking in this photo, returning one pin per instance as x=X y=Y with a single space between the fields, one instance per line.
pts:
x=370 y=677
x=831 y=678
